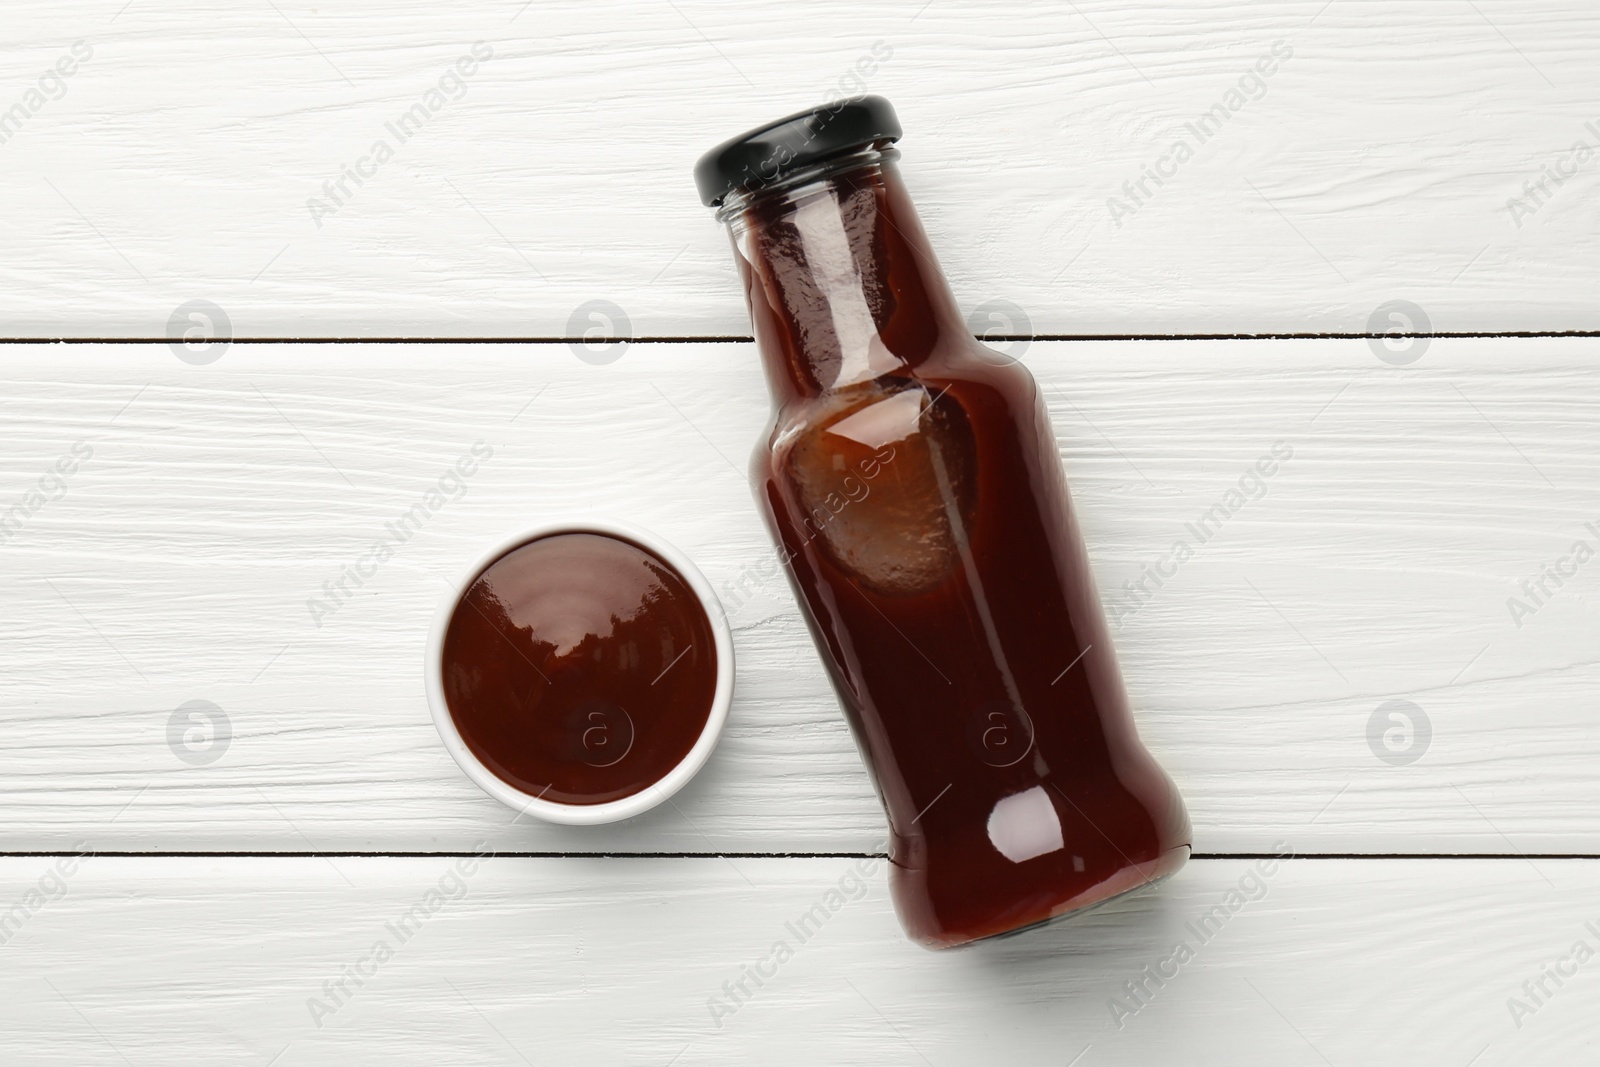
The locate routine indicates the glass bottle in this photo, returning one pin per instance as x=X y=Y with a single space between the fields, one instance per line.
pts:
x=913 y=487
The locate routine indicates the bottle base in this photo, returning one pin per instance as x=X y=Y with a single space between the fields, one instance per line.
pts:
x=1104 y=893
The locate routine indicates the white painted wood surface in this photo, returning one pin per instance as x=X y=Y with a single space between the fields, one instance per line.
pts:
x=1376 y=162
x=218 y=500
x=617 y=961
x=173 y=560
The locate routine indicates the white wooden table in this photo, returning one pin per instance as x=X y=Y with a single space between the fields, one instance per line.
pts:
x=264 y=797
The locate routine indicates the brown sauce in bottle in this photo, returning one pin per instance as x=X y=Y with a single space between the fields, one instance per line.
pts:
x=912 y=482
x=579 y=668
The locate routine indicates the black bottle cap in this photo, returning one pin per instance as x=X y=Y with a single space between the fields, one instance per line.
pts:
x=769 y=153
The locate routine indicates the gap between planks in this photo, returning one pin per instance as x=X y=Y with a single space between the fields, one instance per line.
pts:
x=131 y=854
x=739 y=339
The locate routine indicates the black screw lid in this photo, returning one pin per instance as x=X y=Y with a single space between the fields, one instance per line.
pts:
x=769 y=153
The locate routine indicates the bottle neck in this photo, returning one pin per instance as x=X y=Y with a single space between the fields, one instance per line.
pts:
x=839 y=276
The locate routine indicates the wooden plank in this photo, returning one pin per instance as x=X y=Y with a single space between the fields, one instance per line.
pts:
x=633 y=960
x=218 y=499
x=1378 y=161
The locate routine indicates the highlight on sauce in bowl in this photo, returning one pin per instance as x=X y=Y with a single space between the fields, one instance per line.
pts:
x=580 y=668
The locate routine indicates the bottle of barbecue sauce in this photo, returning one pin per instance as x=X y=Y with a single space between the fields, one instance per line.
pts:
x=912 y=484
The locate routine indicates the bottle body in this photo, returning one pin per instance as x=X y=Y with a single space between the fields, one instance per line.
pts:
x=912 y=484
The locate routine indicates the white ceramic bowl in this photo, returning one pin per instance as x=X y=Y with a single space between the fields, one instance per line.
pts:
x=582 y=814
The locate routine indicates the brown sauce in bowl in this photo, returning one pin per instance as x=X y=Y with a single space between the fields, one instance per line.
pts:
x=579 y=668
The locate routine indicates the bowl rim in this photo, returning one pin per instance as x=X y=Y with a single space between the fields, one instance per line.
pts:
x=611 y=810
